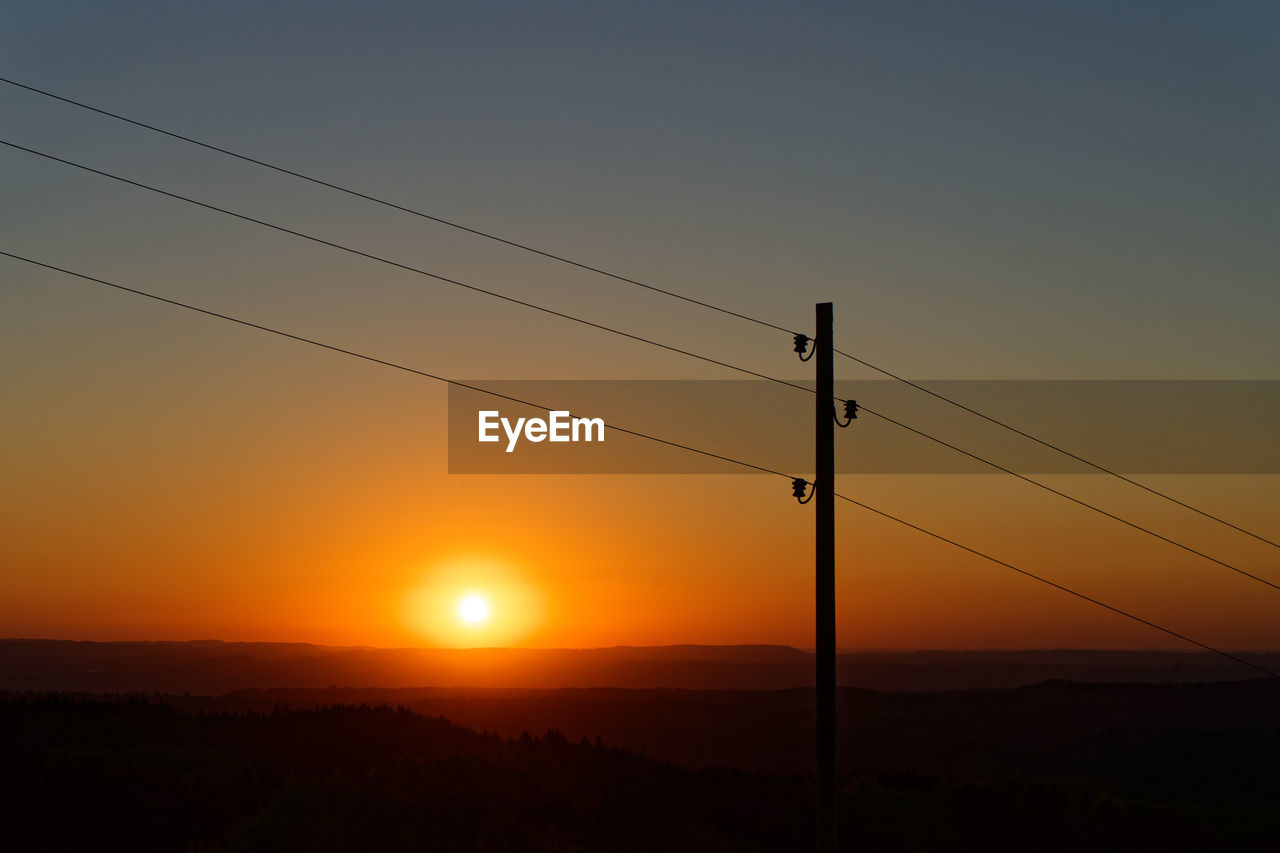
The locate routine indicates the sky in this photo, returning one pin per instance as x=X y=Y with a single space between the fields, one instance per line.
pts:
x=984 y=191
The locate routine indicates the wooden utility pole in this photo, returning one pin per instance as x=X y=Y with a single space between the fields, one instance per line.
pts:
x=825 y=575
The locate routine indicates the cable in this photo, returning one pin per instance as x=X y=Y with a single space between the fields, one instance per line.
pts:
x=1269 y=672
x=437 y=219
x=638 y=434
x=599 y=271
x=601 y=327
x=1074 y=500
x=376 y=360
x=1063 y=451
x=406 y=267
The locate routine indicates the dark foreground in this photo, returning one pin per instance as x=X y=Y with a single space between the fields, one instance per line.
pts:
x=174 y=774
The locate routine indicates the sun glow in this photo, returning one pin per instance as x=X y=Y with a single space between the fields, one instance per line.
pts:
x=470 y=602
x=473 y=609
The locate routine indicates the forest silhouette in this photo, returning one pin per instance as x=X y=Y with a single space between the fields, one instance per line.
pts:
x=1013 y=770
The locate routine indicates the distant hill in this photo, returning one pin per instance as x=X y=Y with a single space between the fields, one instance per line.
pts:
x=1056 y=767
x=982 y=734
x=213 y=667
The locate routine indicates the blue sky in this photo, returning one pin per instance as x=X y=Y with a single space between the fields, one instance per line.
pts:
x=989 y=189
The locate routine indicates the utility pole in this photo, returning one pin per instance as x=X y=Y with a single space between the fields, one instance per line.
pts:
x=825 y=576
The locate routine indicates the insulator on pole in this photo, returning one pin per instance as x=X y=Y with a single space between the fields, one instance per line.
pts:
x=798 y=488
x=850 y=413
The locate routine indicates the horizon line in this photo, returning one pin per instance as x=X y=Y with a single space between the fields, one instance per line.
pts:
x=655 y=646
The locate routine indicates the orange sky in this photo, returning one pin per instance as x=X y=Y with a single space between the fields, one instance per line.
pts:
x=281 y=514
x=1082 y=192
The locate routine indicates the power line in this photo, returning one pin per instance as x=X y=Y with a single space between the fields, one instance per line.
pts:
x=627 y=280
x=637 y=434
x=1270 y=672
x=1052 y=446
x=374 y=359
x=1071 y=498
x=594 y=325
x=406 y=267
x=601 y=327
x=402 y=208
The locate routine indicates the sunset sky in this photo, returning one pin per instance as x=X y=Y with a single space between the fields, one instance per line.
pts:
x=983 y=190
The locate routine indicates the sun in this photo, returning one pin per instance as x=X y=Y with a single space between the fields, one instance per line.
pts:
x=472 y=602
x=473 y=609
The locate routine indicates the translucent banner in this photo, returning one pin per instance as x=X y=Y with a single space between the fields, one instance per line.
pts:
x=1129 y=426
